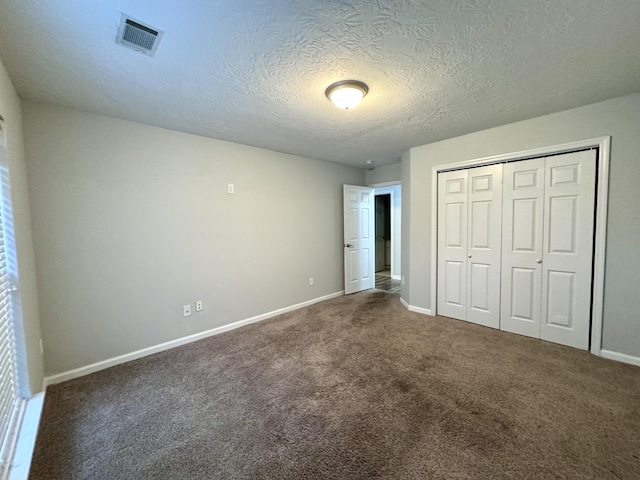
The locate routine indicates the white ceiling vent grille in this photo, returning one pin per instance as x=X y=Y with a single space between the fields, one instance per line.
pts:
x=138 y=36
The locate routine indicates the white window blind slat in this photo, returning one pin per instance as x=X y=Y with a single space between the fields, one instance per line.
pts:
x=9 y=399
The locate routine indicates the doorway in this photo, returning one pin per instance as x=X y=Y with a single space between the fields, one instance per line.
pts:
x=383 y=234
x=387 y=204
x=361 y=261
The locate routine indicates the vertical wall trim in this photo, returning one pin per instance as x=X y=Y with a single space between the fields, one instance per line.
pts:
x=599 y=248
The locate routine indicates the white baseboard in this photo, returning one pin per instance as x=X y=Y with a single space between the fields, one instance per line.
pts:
x=26 y=438
x=411 y=308
x=620 y=357
x=127 y=357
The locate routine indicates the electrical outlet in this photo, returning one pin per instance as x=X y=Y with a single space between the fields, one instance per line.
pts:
x=41 y=347
x=231 y=188
x=199 y=306
x=311 y=281
x=403 y=280
x=186 y=310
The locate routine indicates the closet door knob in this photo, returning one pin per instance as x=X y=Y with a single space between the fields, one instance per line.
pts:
x=538 y=260
x=469 y=256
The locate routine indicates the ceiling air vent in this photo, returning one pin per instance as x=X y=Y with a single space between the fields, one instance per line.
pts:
x=138 y=36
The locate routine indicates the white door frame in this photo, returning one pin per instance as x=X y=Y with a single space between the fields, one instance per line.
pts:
x=602 y=195
x=376 y=243
x=379 y=189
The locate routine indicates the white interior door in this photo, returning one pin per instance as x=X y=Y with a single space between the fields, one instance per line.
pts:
x=452 y=244
x=484 y=245
x=522 y=224
x=359 y=238
x=569 y=203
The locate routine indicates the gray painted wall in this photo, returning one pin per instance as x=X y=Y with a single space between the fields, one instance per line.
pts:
x=620 y=118
x=131 y=222
x=25 y=299
x=385 y=174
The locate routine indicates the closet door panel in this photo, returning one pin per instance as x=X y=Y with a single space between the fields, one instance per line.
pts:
x=522 y=247
x=452 y=244
x=484 y=245
x=569 y=204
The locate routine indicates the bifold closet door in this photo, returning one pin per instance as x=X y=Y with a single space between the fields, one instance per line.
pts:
x=484 y=245
x=452 y=244
x=469 y=244
x=523 y=207
x=547 y=238
x=569 y=205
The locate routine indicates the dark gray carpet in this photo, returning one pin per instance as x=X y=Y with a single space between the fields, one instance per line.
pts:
x=352 y=388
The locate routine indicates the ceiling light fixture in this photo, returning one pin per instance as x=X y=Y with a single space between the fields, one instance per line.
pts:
x=346 y=94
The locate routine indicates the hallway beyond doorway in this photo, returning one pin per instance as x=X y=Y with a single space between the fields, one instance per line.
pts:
x=386 y=283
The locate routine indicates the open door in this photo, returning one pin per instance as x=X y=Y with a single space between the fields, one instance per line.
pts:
x=359 y=235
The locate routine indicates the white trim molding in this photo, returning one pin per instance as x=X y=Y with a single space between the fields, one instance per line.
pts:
x=385 y=184
x=603 y=144
x=411 y=308
x=127 y=357
x=388 y=189
x=27 y=433
x=620 y=357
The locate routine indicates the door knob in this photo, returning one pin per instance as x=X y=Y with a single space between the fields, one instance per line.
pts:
x=469 y=256
x=348 y=245
x=538 y=260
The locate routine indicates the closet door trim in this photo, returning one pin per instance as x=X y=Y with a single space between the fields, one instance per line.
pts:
x=602 y=195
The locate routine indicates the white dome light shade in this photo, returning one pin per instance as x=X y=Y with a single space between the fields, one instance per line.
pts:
x=346 y=94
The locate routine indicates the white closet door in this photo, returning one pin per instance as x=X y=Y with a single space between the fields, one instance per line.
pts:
x=484 y=245
x=452 y=244
x=569 y=203
x=523 y=206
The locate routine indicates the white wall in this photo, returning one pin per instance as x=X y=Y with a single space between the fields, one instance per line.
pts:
x=396 y=225
x=131 y=222
x=620 y=118
x=385 y=174
x=26 y=298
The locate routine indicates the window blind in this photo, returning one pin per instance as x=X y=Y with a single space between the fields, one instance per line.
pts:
x=9 y=399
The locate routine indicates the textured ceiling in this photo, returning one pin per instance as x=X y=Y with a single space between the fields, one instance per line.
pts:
x=255 y=71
